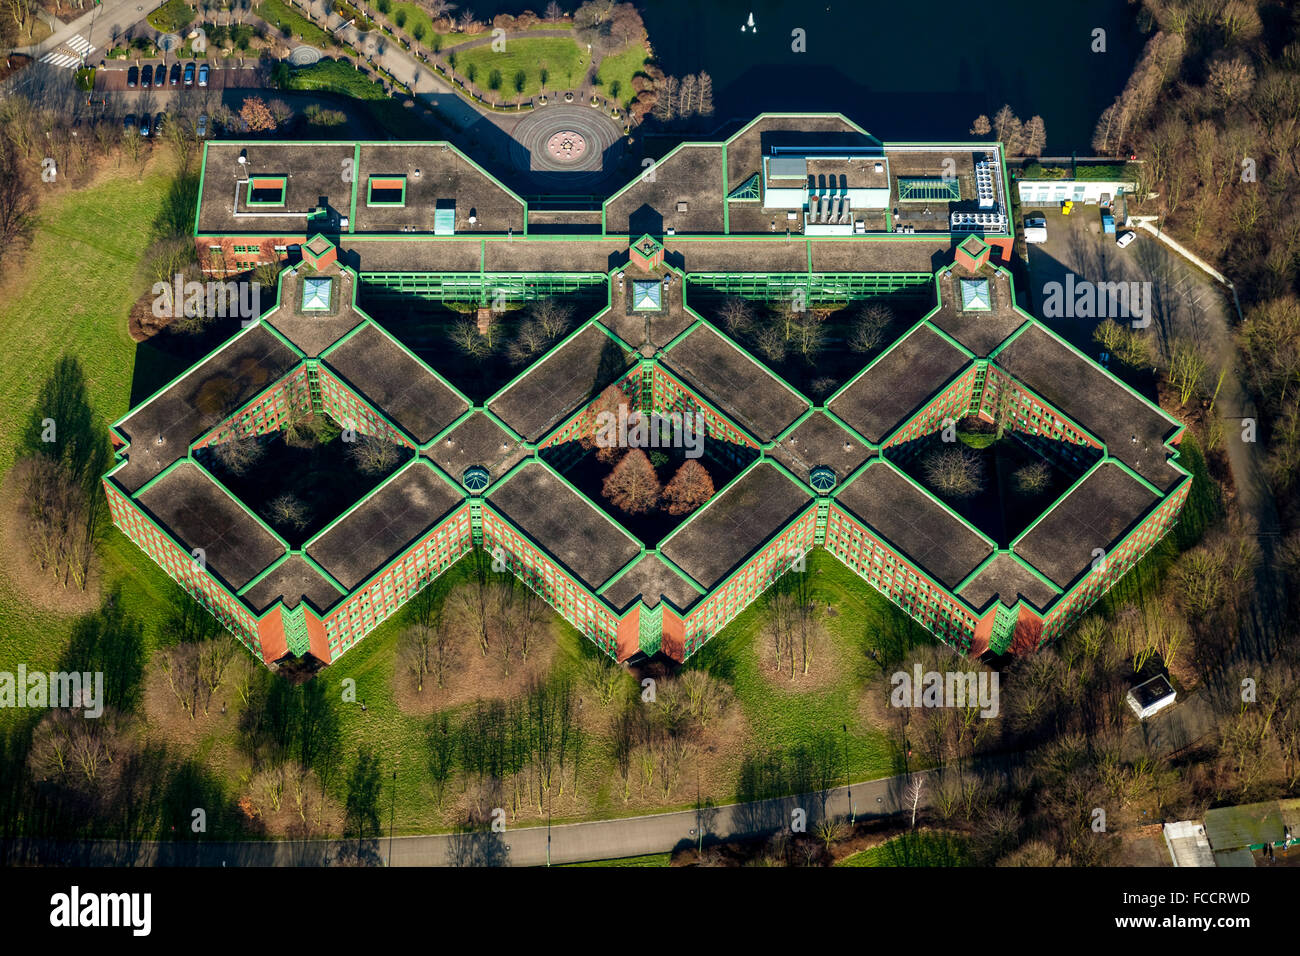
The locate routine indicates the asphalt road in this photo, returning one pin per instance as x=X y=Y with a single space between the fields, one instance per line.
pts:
x=530 y=846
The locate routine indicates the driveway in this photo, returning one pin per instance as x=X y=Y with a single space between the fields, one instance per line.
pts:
x=1186 y=302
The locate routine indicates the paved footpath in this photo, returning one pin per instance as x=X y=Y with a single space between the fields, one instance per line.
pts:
x=570 y=843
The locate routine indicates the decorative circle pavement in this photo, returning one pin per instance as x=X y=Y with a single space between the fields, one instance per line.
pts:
x=566 y=147
x=577 y=140
x=303 y=56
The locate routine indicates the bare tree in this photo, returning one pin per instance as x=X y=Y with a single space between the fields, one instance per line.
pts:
x=289 y=510
x=374 y=454
x=870 y=325
x=913 y=795
x=954 y=471
x=238 y=455
x=553 y=316
x=1033 y=478
x=704 y=94
x=16 y=200
x=736 y=315
x=466 y=337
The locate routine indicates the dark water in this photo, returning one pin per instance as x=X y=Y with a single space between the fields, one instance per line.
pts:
x=902 y=69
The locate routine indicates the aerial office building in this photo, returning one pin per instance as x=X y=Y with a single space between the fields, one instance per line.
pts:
x=804 y=208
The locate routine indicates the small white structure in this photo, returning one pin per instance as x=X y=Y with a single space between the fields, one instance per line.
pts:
x=1188 y=845
x=1151 y=697
x=1085 y=192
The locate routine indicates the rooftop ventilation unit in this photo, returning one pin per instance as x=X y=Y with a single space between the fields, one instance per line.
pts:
x=984 y=191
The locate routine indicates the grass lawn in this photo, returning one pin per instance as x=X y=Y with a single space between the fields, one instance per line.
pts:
x=77 y=284
x=280 y=15
x=924 y=848
x=654 y=859
x=418 y=15
x=560 y=57
x=615 y=73
x=783 y=715
x=336 y=77
x=172 y=17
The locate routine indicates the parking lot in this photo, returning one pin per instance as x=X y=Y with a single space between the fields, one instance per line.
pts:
x=115 y=75
x=1185 y=302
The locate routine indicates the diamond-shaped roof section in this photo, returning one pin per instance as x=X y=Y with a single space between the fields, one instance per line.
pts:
x=898 y=383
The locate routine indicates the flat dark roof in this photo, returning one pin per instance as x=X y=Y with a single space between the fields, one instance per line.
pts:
x=690 y=175
x=200 y=514
x=979 y=331
x=293 y=580
x=819 y=440
x=313 y=170
x=392 y=518
x=636 y=328
x=314 y=332
x=564 y=523
x=210 y=391
x=1133 y=430
x=1008 y=581
x=435 y=174
x=412 y=255
x=396 y=383
x=735 y=524
x=741 y=388
x=1096 y=514
x=478 y=440
x=651 y=580
x=561 y=384
x=914 y=523
x=898 y=383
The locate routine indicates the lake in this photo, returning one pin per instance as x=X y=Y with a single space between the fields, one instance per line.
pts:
x=902 y=70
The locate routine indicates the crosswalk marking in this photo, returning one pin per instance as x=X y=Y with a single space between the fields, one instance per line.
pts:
x=69 y=53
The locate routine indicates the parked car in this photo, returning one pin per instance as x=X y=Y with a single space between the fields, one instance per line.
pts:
x=1035 y=229
x=144 y=124
x=175 y=75
x=203 y=75
x=189 y=74
x=128 y=122
x=160 y=76
x=202 y=129
x=158 y=122
x=146 y=77
x=132 y=77
x=1126 y=238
